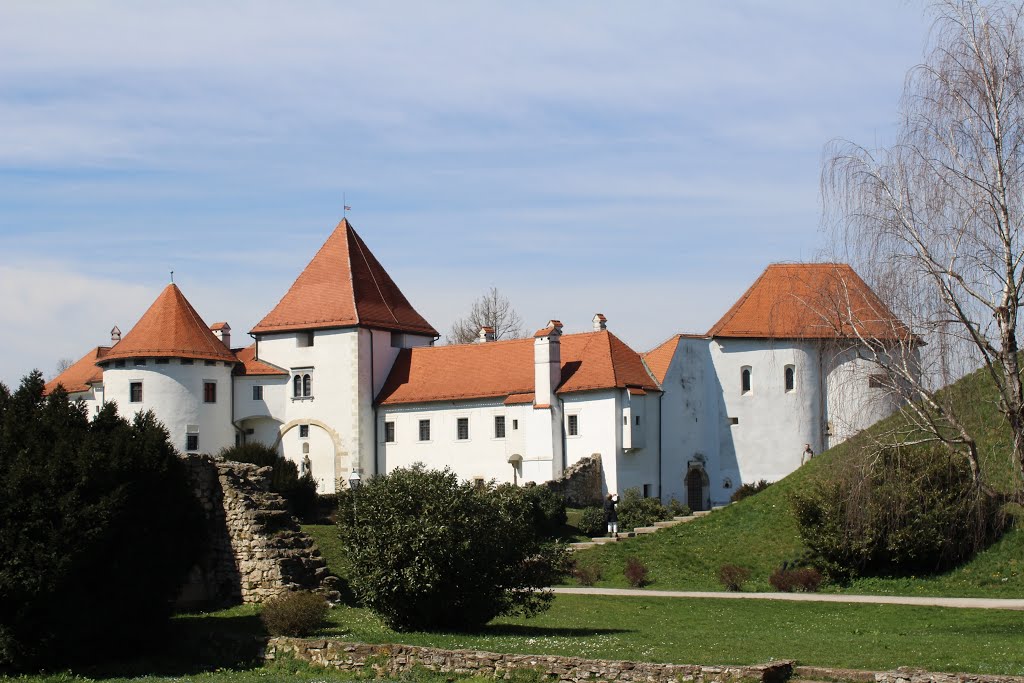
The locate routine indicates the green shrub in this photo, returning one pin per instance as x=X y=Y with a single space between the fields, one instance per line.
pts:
x=592 y=522
x=677 y=509
x=636 y=572
x=732 y=577
x=548 y=509
x=296 y=614
x=635 y=510
x=799 y=579
x=428 y=552
x=897 y=511
x=98 y=525
x=299 y=492
x=748 y=490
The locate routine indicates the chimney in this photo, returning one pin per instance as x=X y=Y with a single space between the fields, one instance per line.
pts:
x=223 y=332
x=115 y=335
x=547 y=363
x=486 y=335
x=600 y=322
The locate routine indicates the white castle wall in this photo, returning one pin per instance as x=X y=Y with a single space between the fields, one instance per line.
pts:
x=174 y=392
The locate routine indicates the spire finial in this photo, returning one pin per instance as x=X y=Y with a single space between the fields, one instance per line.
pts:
x=172 y=277
x=345 y=208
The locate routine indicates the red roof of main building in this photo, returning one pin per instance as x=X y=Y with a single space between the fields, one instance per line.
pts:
x=171 y=328
x=344 y=285
x=591 y=360
x=79 y=376
x=809 y=301
x=660 y=357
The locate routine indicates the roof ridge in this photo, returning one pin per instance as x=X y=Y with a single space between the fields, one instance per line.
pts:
x=735 y=308
x=359 y=245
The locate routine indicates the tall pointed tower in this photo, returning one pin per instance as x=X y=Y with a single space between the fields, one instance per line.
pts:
x=337 y=332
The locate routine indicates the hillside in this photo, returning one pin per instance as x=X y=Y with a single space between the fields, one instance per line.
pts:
x=760 y=533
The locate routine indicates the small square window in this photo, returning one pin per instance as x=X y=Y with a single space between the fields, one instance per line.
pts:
x=389 y=432
x=574 y=425
x=163 y=361
x=191 y=442
x=515 y=425
x=257 y=392
x=209 y=392
x=187 y=361
x=424 y=430
x=499 y=426
x=462 y=429
x=118 y=363
x=304 y=339
x=303 y=431
x=140 y=362
x=734 y=420
x=135 y=392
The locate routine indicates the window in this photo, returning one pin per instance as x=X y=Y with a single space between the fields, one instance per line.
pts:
x=303 y=431
x=734 y=420
x=302 y=385
x=257 y=392
x=163 y=361
x=307 y=385
x=303 y=339
x=745 y=380
x=118 y=363
x=211 y=363
x=191 y=442
x=424 y=430
x=499 y=426
x=637 y=420
x=135 y=392
x=462 y=429
x=574 y=425
x=790 y=377
x=876 y=381
x=209 y=392
x=625 y=420
x=187 y=361
x=647 y=490
x=515 y=425
x=389 y=432
x=140 y=362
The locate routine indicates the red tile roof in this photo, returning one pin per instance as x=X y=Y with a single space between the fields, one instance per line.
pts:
x=79 y=376
x=591 y=360
x=809 y=301
x=171 y=328
x=660 y=357
x=344 y=285
x=248 y=364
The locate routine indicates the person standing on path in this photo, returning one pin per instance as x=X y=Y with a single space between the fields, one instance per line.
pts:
x=808 y=453
x=611 y=516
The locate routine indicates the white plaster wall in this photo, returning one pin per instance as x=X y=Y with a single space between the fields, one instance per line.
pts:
x=852 y=403
x=637 y=466
x=174 y=392
x=482 y=455
x=276 y=393
x=321 y=454
x=773 y=424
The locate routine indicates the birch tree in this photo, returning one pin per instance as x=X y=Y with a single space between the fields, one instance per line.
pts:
x=491 y=310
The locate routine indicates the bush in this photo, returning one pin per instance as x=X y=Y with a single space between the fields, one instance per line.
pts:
x=748 y=490
x=636 y=572
x=428 y=552
x=733 y=577
x=548 y=509
x=677 y=509
x=296 y=614
x=98 y=524
x=800 y=579
x=299 y=492
x=898 y=511
x=635 y=510
x=592 y=522
x=587 y=574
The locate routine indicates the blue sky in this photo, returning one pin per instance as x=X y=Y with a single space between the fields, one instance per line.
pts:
x=645 y=160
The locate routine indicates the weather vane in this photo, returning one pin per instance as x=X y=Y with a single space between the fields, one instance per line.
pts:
x=345 y=208
x=172 y=276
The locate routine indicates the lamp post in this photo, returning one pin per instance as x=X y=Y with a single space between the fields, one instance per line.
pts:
x=354 y=482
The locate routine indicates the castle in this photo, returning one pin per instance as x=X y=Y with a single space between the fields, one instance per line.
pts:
x=345 y=380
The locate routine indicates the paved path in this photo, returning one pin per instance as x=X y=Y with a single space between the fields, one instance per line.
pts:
x=968 y=603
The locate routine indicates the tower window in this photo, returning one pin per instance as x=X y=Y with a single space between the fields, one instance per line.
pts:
x=745 y=380
x=302 y=385
x=135 y=392
x=389 y=432
x=462 y=429
x=499 y=426
x=209 y=392
x=574 y=425
x=424 y=430
x=257 y=392
x=790 y=377
x=303 y=431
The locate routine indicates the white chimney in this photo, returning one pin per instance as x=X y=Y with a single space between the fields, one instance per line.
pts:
x=223 y=332
x=547 y=363
x=115 y=335
x=486 y=335
x=600 y=322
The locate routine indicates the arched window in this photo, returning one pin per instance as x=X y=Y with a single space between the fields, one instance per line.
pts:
x=307 y=385
x=745 y=379
x=297 y=386
x=790 y=377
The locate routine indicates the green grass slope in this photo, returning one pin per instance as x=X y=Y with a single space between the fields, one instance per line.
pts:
x=760 y=532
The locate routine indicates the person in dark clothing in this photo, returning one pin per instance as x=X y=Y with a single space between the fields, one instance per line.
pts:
x=611 y=516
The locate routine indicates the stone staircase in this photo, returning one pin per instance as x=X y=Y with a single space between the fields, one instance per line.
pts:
x=643 y=530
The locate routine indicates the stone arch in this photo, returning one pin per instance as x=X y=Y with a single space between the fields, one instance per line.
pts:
x=340 y=453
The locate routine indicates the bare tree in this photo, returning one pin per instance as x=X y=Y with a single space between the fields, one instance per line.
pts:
x=490 y=310
x=62 y=365
x=934 y=221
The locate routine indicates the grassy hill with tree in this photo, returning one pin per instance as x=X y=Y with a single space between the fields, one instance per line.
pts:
x=760 y=532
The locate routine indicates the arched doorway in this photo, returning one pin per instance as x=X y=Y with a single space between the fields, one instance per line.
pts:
x=697 y=489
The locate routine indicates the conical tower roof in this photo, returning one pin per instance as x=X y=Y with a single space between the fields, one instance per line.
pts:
x=344 y=285
x=171 y=328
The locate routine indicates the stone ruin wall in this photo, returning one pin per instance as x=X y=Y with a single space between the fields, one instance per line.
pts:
x=581 y=483
x=256 y=549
